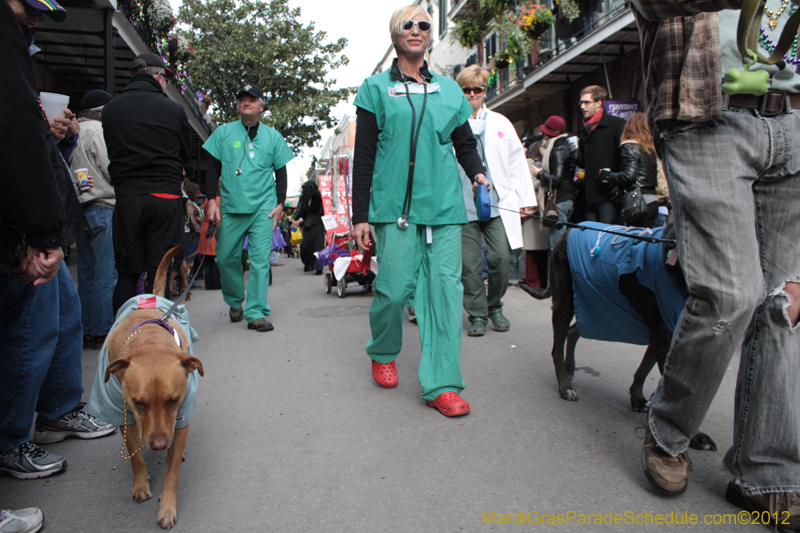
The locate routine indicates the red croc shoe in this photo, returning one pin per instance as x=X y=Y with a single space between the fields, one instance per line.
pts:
x=385 y=374
x=450 y=404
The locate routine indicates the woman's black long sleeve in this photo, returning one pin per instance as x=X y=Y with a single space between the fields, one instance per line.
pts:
x=366 y=146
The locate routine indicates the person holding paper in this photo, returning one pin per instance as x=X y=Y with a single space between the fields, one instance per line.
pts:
x=248 y=163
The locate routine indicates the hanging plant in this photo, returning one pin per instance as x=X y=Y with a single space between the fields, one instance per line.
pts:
x=535 y=19
x=508 y=31
x=159 y=15
x=469 y=32
x=179 y=49
x=569 y=9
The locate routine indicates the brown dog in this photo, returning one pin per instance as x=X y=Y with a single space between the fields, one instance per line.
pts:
x=152 y=370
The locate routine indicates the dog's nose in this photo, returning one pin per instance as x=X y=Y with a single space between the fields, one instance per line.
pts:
x=158 y=443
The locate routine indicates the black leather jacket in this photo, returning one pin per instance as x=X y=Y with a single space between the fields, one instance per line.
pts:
x=637 y=165
x=562 y=170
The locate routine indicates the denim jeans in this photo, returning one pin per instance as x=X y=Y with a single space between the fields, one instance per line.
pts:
x=564 y=212
x=40 y=353
x=97 y=275
x=735 y=186
x=605 y=213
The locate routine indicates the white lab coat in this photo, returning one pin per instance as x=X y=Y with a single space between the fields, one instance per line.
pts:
x=505 y=157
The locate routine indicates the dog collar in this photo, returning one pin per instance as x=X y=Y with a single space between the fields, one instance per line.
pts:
x=164 y=324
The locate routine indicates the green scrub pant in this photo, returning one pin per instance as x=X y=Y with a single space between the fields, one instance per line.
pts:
x=230 y=238
x=476 y=302
x=408 y=262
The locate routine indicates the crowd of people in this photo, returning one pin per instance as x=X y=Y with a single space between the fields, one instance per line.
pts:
x=424 y=145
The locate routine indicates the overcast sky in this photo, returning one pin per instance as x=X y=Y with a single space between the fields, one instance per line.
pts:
x=365 y=24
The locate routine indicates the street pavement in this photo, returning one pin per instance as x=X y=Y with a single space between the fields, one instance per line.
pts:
x=290 y=433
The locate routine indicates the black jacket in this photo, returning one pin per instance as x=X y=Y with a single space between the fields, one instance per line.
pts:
x=37 y=187
x=597 y=150
x=637 y=165
x=562 y=170
x=148 y=138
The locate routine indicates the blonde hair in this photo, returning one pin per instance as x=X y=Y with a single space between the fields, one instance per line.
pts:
x=473 y=75
x=403 y=14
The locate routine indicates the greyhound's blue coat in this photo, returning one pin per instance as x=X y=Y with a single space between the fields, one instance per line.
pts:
x=602 y=312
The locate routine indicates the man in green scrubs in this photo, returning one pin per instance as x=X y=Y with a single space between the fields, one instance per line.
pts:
x=248 y=161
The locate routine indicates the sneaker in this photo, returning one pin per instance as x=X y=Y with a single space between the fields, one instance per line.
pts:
x=28 y=461
x=668 y=475
x=28 y=520
x=499 y=321
x=76 y=423
x=477 y=328
x=260 y=324
x=236 y=315
x=783 y=505
x=412 y=314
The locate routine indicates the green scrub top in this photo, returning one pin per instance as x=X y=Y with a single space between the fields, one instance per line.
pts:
x=436 y=196
x=254 y=189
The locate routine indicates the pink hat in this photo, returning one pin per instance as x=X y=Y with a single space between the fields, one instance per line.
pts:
x=553 y=126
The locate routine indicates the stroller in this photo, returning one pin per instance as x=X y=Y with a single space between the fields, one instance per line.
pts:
x=346 y=264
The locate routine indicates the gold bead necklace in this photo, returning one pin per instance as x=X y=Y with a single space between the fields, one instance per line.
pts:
x=125 y=433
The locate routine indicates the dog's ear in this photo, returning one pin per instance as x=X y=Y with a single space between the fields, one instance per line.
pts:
x=117 y=368
x=191 y=364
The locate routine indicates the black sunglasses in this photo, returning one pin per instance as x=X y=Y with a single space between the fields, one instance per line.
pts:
x=476 y=90
x=33 y=12
x=423 y=25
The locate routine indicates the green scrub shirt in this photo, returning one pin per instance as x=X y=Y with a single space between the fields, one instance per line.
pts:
x=254 y=189
x=436 y=197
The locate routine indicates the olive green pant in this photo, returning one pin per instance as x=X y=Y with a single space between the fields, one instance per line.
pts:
x=476 y=302
x=407 y=262
x=230 y=239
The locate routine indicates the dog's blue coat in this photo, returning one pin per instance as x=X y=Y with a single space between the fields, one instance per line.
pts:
x=106 y=399
x=602 y=312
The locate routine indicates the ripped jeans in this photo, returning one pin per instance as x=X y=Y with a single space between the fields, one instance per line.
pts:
x=735 y=188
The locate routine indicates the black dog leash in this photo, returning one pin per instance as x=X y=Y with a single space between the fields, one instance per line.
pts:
x=212 y=228
x=559 y=224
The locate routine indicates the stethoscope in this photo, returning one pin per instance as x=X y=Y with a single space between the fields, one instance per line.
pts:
x=244 y=150
x=402 y=222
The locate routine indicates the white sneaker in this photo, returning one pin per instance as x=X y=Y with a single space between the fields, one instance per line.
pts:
x=28 y=520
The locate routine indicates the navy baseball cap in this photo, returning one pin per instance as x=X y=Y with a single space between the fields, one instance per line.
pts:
x=51 y=8
x=150 y=59
x=252 y=90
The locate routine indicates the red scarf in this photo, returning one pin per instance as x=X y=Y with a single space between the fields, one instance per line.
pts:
x=591 y=123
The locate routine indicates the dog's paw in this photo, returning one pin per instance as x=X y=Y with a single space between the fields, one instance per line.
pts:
x=639 y=405
x=142 y=493
x=569 y=394
x=167 y=515
x=703 y=442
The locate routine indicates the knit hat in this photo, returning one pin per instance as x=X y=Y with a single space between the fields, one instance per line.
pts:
x=95 y=98
x=554 y=126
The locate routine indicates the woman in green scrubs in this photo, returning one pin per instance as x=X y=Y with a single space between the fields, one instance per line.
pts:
x=406 y=183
